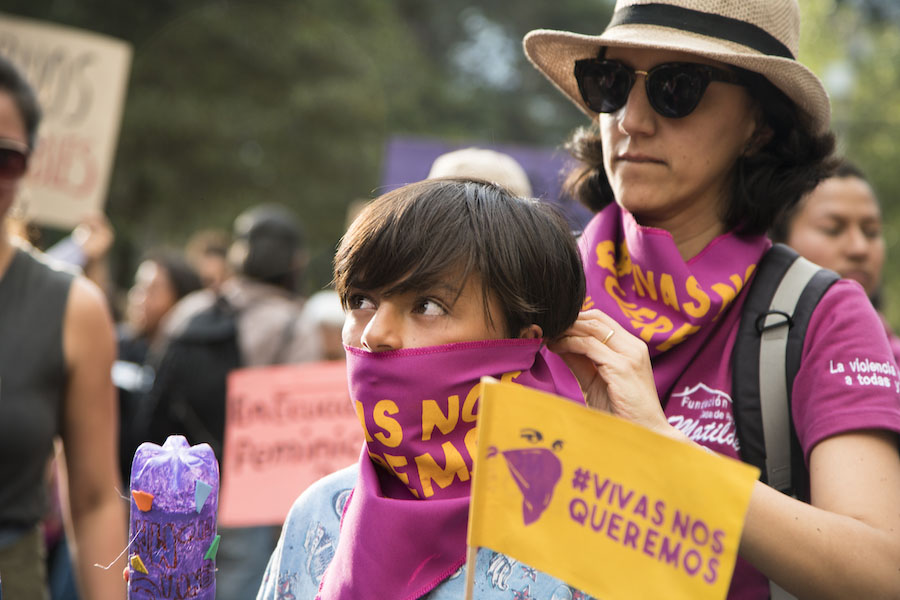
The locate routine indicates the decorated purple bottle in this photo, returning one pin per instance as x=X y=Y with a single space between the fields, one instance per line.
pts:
x=174 y=499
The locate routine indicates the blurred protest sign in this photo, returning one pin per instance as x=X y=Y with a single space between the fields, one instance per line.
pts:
x=608 y=507
x=80 y=79
x=285 y=427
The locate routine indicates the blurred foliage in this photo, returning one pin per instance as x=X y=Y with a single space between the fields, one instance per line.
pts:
x=233 y=102
x=236 y=102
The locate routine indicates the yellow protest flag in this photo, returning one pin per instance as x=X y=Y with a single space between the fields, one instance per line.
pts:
x=609 y=507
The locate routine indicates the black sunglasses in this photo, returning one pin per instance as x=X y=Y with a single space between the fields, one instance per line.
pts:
x=673 y=89
x=13 y=159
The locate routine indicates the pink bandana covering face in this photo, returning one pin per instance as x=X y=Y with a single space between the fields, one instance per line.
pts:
x=636 y=275
x=404 y=527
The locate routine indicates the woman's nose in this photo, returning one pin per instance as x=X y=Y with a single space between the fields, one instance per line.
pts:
x=383 y=332
x=637 y=116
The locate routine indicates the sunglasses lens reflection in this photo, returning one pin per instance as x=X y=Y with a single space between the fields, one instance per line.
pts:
x=606 y=87
x=12 y=163
x=674 y=90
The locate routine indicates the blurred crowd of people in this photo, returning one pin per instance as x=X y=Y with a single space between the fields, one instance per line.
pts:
x=257 y=271
x=86 y=388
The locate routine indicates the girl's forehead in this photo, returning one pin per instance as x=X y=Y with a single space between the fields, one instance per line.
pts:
x=448 y=283
x=417 y=278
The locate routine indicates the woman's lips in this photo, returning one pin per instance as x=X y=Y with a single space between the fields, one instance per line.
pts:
x=631 y=157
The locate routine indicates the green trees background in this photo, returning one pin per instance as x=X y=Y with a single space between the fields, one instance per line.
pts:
x=235 y=102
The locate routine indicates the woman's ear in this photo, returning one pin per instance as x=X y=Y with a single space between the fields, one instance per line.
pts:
x=762 y=135
x=531 y=332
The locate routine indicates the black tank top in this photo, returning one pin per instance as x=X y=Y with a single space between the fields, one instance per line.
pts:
x=33 y=298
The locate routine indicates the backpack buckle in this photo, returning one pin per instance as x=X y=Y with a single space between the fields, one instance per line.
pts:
x=762 y=325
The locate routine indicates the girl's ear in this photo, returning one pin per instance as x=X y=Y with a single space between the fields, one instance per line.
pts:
x=531 y=332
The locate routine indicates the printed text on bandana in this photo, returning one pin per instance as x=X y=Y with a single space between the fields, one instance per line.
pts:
x=449 y=455
x=687 y=301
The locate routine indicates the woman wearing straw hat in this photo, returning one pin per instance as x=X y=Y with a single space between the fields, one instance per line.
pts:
x=704 y=128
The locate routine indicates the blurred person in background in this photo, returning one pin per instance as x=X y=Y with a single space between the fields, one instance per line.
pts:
x=57 y=346
x=838 y=226
x=481 y=163
x=253 y=319
x=207 y=252
x=160 y=281
x=87 y=247
x=325 y=314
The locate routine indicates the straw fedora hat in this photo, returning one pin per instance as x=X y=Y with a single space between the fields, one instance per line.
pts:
x=757 y=35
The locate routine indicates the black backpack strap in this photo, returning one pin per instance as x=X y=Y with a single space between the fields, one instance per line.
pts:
x=767 y=353
x=745 y=358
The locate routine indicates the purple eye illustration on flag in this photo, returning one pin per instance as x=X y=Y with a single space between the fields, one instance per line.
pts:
x=536 y=471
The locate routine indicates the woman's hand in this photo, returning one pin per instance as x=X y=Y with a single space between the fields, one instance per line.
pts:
x=615 y=376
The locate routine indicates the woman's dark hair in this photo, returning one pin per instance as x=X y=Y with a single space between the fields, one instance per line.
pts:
x=181 y=274
x=274 y=244
x=781 y=228
x=765 y=183
x=12 y=82
x=423 y=233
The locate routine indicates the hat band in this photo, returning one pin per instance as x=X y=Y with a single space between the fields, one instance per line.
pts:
x=708 y=24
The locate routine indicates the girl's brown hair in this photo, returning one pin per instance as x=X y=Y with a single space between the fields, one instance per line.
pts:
x=423 y=233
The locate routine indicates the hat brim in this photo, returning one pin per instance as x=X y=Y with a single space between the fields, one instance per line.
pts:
x=554 y=54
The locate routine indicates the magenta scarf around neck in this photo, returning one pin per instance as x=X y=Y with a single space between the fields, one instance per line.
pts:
x=404 y=526
x=636 y=275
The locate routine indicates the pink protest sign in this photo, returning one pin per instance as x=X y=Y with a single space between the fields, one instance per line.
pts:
x=286 y=426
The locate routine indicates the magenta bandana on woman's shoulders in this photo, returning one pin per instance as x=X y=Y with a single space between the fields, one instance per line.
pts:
x=404 y=527
x=637 y=276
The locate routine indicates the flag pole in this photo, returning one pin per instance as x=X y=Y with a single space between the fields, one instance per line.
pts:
x=471 y=554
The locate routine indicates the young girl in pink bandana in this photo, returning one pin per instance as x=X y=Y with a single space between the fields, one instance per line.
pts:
x=444 y=281
x=704 y=127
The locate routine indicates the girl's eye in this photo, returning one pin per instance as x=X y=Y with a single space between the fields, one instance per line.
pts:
x=358 y=301
x=430 y=308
